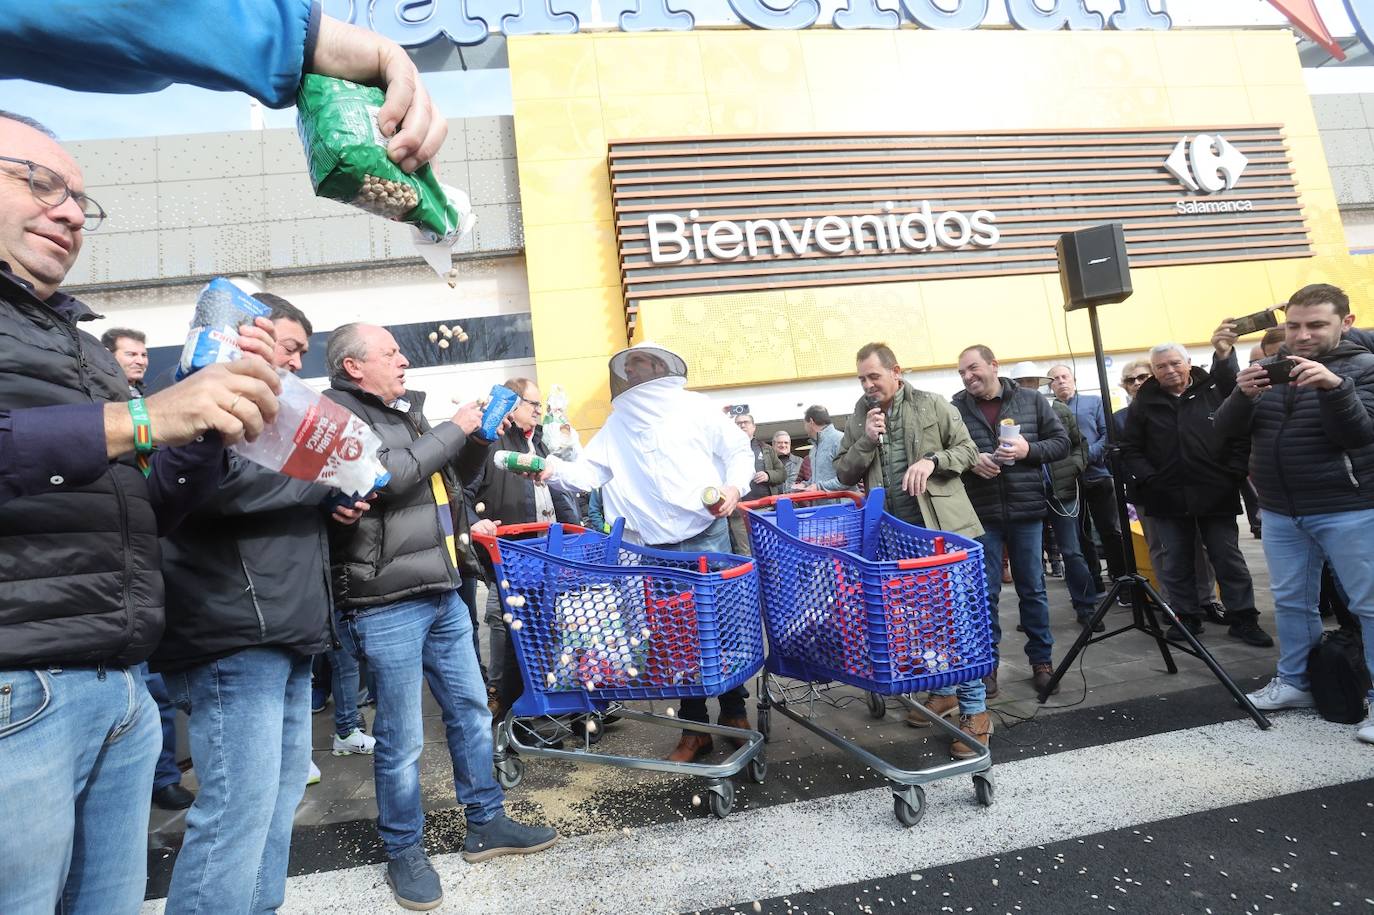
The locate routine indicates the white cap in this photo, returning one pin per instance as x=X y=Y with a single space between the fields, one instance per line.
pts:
x=1027 y=370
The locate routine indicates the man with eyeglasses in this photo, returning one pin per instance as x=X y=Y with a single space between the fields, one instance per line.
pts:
x=88 y=481
x=769 y=476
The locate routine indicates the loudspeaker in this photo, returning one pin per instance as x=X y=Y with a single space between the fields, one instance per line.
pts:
x=1093 y=267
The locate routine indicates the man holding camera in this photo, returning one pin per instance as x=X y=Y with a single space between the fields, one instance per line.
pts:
x=1187 y=479
x=1310 y=418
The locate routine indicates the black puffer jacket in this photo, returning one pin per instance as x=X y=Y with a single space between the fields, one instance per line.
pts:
x=1018 y=492
x=249 y=569
x=1312 y=452
x=398 y=549
x=79 y=579
x=1177 y=461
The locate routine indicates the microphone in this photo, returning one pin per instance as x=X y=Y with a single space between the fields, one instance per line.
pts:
x=872 y=401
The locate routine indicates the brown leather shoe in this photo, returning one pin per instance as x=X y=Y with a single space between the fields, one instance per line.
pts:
x=1041 y=674
x=990 y=684
x=944 y=706
x=691 y=748
x=979 y=727
x=741 y=722
x=1006 y=569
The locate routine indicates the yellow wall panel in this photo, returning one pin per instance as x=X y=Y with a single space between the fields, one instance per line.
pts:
x=571 y=256
x=558 y=129
x=565 y=191
x=559 y=66
x=640 y=116
x=577 y=323
x=573 y=93
x=1206 y=105
x=1267 y=58
x=648 y=64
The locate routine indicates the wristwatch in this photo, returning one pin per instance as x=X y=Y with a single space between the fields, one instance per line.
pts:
x=932 y=457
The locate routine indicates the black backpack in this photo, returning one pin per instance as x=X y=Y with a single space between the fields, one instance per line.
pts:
x=1340 y=680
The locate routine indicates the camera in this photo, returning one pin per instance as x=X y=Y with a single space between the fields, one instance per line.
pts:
x=1280 y=370
x=737 y=409
x=1260 y=320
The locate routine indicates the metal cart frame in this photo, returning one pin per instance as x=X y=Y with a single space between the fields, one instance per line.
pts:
x=586 y=706
x=908 y=793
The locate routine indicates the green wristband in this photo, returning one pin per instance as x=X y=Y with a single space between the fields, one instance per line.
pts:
x=143 y=428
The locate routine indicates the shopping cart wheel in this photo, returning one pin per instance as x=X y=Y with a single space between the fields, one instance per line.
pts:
x=721 y=794
x=758 y=768
x=909 y=805
x=765 y=717
x=982 y=786
x=510 y=771
x=877 y=706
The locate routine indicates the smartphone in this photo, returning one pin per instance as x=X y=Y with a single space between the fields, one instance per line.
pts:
x=1260 y=320
x=1279 y=370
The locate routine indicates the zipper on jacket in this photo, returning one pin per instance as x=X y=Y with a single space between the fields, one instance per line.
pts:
x=1289 y=402
x=123 y=503
x=253 y=596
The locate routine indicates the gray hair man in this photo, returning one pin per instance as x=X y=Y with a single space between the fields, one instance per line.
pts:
x=1188 y=483
x=396 y=580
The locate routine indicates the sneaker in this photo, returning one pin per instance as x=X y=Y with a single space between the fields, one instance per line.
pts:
x=1249 y=632
x=365 y=699
x=355 y=742
x=940 y=706
x=314 y=777
x=413 y=881
x=1279 y=695
x=1366 y=731
x=504 y=836
x=1041 y=675
x=319 y=698
x=979 y=727
x=1175 y=634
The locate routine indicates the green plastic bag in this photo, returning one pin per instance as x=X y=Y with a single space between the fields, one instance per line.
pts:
x=347 y=157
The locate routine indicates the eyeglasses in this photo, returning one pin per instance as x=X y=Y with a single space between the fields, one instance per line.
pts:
x=51 y=189
x=1137 y=379
x=537 y=404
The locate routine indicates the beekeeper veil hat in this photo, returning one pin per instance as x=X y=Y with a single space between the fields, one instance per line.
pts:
x=644 y=362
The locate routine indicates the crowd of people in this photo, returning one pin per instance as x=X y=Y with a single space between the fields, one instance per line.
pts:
x=145 y=568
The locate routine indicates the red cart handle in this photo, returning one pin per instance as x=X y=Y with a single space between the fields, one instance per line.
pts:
x=488 y=541
x=770 y=501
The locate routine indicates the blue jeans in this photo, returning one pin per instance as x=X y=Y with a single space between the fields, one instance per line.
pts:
x=343 y=685
x=1021 y=541
x=973 y=695
x=425 y=639
x=78 y=747
x=1294 y=547
x=1079 y=577
x=250 y=740
x=168 y=772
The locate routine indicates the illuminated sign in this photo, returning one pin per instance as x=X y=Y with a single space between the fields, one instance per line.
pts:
x=412 y=23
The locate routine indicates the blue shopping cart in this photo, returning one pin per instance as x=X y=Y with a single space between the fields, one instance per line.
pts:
x=855 y=596
x=597 y=622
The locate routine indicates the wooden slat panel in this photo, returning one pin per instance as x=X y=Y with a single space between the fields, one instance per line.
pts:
x=1039 y=183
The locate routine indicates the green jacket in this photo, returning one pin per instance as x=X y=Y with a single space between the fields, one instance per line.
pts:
x=932 y=425
x=1065 y=472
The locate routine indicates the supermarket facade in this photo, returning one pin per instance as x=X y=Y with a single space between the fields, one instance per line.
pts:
x=766 y=199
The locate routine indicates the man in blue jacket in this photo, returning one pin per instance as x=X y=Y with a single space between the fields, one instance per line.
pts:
x=1098 y=509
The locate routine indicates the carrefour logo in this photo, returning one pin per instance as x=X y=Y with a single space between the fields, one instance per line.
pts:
x=1207 y=164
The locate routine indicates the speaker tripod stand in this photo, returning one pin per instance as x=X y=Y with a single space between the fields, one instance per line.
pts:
x=1146 y=603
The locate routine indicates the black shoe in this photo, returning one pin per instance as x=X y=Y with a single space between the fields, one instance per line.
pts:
x=1216 y=613
x=1020 y=628
x=1100 y=627
x=1249 y=632
x=1255 y=531
x=173 y=797
x=1056 y=569
x=1175 y=634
